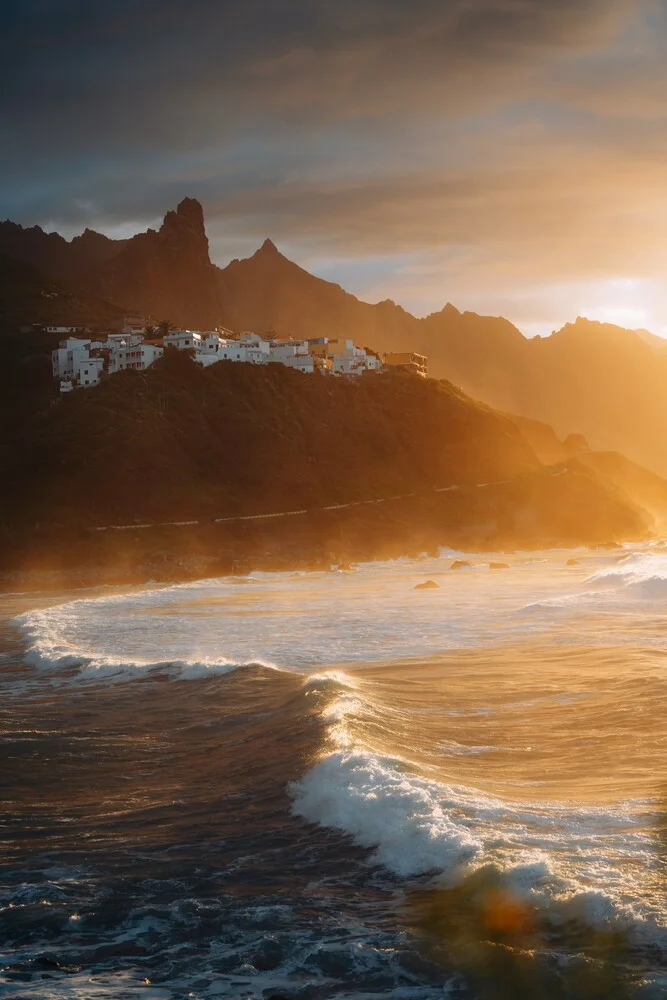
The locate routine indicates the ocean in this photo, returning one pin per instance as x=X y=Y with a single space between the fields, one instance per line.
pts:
x=335 y=785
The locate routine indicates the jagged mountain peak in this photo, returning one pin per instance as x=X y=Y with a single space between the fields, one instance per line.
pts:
x=268 y=246
x=267 y=253
x=190 y=208
x=584 y=330
x=188 y=217
x=448 y=311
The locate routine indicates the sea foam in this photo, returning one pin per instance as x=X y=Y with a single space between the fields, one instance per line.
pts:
x=48 y=651
x=558 y=855
x=643 y=574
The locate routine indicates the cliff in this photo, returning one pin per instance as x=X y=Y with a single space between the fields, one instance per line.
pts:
x=185 y=443
x=166 y=273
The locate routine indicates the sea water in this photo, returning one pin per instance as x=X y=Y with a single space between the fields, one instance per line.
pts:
x=259 y=786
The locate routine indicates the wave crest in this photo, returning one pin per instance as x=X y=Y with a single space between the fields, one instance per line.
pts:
x=642 y=573
x=416 y=826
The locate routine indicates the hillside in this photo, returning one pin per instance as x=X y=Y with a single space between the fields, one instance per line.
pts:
x=28 y=296
x=642 y=487
x=183 y=441
x=604 y=382
x=186 y=443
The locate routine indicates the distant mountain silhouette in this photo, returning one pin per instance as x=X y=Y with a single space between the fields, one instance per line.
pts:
x=604 y=382
x=54 y=255
x=168 y=273
x=165 y=273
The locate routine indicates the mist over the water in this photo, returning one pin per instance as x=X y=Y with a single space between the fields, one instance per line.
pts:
x=239 y=787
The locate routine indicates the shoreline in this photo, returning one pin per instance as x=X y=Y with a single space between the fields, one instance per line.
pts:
x=501 y=519
x=25 y=581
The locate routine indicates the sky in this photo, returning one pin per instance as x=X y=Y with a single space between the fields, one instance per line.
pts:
x=508 y=156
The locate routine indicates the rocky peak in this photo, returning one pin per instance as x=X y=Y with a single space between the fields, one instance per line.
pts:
x=450 y=310
x=92 y=248
x=185 y=228
x=268 y=247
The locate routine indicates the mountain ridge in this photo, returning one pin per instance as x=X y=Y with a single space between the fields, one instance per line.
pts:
x=597 y=379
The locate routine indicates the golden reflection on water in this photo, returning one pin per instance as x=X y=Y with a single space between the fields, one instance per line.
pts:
x=525 y=720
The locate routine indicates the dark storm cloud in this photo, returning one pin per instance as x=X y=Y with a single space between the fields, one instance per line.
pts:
x=103 y=89
x=520 y=139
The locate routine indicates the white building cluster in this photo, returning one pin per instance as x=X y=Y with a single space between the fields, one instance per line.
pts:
x=78 y=363
x=336 y=357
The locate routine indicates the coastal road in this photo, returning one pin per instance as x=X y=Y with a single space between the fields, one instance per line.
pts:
x=305 y=510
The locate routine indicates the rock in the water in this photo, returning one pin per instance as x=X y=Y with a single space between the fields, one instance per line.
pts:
x=572 y=562
x=460 y=564
x=498 y=565
x=428 y=585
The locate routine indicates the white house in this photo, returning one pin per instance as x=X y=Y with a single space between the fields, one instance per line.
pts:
x=210 y=342
x=258 y=349
x=139 y=356
x=302 y=362
x=72 y=363
x=88 y=372
x=341 y=356
x=347 y=359
x=249 y=348
x=232 y=350
x=210 y=347
x=68 y=356
x=293 y=354
x=288 y=348
x=355 y=364
x=123 y=339
x=183 y=340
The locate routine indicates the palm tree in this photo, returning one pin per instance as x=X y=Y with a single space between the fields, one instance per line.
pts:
x=150 y=330
x=164 y=326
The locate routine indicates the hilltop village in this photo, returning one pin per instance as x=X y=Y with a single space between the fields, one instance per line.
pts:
x=80 y=361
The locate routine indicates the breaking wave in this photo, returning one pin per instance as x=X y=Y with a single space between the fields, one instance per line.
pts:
x=418 y=826
x=47 y=649
x=643 y=574
x=414 y=732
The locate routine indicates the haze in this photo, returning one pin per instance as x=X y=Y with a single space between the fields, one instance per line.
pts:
x=506 y=155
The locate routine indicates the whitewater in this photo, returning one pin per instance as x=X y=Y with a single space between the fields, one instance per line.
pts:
x=305 y=785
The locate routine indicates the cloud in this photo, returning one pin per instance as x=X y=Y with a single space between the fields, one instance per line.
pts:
x=496 y=144
x=143 y=75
